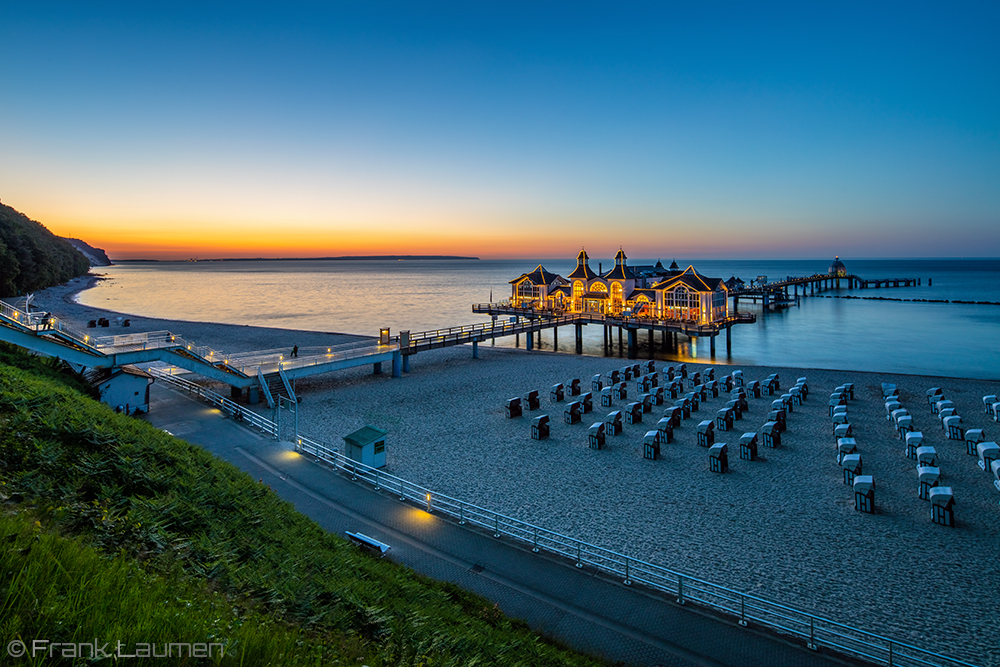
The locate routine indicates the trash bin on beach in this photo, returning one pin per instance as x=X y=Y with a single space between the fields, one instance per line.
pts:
x=718 y=457
x=770 y=434
x=540 y=427
x=587 y=401
x=613 y=423
x=606 y=398
x=651 y=445
x=914 y=440
x=927 y=478
x=748 y=446
x=620 y=391
x=573 y=412
x=864 y=494
x=513 y=408
x=851 y=463
x=557 y=393
x=846 y=446
x=706 y=433
x=973 y=437
x=574 y=387
x=942 y=506
x=531 y=398
x=596 y=383
x=596 y=435
x=666 y=428
x=724 y=419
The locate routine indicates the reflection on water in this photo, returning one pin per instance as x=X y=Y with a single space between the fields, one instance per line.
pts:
x=362 y=296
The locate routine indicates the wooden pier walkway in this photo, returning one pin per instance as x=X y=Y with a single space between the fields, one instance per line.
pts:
x=776 y=294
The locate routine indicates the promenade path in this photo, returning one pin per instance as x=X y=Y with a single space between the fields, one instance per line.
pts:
x=586 y=611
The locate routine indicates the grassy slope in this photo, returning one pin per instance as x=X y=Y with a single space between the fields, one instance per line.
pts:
x=192 y=549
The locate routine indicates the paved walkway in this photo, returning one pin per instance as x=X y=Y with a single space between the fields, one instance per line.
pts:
x=581 y=608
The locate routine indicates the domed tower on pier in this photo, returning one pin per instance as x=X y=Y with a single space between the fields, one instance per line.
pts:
x=837 y=269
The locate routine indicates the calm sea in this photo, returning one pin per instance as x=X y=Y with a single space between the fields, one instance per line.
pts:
x=360 y=296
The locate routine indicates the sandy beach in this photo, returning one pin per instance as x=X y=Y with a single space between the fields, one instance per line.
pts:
x=783 y=527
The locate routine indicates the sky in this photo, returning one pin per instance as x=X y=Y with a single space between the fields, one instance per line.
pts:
x=173 y=130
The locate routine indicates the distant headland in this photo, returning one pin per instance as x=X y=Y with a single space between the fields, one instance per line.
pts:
x=303 y=259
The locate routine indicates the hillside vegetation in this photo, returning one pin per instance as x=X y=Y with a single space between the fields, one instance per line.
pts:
x=32 y=257
x=113 y=529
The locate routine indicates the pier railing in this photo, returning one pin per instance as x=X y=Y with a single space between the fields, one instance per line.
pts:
x=816 y=630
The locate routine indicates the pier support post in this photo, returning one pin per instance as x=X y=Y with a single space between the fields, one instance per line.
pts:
x=605 y=328
x=619 y=339
x=729 y=339
x=632 y=342
x=378 y=368
x=397 y=364
x=555 y=337
x=579 y=339
x=530 y=340
x=475 y=349
x=406 y=363
x=712 y=345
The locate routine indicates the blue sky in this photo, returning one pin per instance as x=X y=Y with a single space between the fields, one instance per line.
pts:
x=503 y=129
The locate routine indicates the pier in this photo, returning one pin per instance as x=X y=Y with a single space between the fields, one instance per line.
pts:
x=786 y=292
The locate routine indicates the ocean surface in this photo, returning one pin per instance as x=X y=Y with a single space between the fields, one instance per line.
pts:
x=360 y=296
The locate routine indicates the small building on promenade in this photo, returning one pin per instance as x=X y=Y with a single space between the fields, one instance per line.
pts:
x=652 y=292
x=124 y=388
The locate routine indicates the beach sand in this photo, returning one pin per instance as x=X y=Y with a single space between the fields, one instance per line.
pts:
x=783 y=528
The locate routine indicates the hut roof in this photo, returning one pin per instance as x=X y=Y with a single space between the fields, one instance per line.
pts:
x=364 y=435
x=582 y=270
x=538 y=277
x=691 y=278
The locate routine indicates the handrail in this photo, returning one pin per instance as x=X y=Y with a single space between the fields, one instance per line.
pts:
x=264 y=388
x=816 y=630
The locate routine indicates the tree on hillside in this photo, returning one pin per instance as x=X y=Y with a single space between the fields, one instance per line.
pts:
x=32 y=257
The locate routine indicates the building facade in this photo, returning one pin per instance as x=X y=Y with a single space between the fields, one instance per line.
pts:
x=644 y=292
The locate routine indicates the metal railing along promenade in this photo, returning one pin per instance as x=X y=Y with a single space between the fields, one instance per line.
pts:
x=480 y=331
x=631 y=321
x=816 y=630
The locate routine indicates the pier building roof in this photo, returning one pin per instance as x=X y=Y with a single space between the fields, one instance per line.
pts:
x=621 y=270
x=539 y=277
x=691 y=278
x=583 y=270
x=837 y=268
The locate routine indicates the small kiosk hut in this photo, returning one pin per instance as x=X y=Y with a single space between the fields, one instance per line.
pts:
x=366 y=446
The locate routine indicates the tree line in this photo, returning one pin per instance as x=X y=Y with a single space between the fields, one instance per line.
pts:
x=32 y=257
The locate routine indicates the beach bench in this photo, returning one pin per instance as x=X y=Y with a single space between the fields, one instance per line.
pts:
x=767 y=387
x=596 y=383
x=836 y=403
x=896 y=414
x=927 y=479
x=369 y=544
x=685 y=405
x=651 y=445
x=633 y=413
x=596 y=435
x=531 y=398
x=513 y=408
x=988 y=453
x=789 y=403
x=718 y=457
x=642 y=385
x=724 y=419
x=695 y=400
x=713 y=386
x=934 y=394
x=988 y=403
x=803 y=386
x=573 y=412
x=913 y=441
x=889 y=389
x=647 y=402
x=737 y=377
x=706 y=433
x=702 y=392
x=778 y=416
x=540 y=427
x=654 y=380
x=953 y=427
x=926 y=456
x=615 y=377
x=864 y=494
x=796 y=394
x=671 y=374
x=711 y=374
x=666 y=427
x=574 y=387
x=673 y=389
x=557 y=393
x=727 y=383
x=904 y=425
x=849 y=388
x=890 y=406
x=943 y=404
x=748 y=447
x=839 y=419
x=674 y=415
x=683 y=369
x=587 y=400
x=734 y=405
x=842 y=431
x=973 y=437
x=942 y=506
x=696 y=378
x=606 y=397
x=995 y=469
x=620 y=391
x=770 y=434
x=649 y=366
x=658 y=396
x=851 y=463
x=846 y=446
x=613 y=423
x=626 y=372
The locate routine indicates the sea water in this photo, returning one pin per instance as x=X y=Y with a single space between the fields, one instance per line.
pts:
x=824 y=331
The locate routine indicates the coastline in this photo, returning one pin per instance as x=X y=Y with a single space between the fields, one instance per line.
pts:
x=784 y=527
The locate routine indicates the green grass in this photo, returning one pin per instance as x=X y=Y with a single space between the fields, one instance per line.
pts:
x=113 y=526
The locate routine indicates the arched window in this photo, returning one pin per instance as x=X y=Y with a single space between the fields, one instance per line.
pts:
x=616 y=291
x=599 y=287
x=577 y=289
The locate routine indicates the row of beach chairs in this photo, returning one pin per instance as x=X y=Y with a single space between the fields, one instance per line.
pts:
x=847 y=450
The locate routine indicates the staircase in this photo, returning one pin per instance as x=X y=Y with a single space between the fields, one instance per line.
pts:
x=276 y=386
